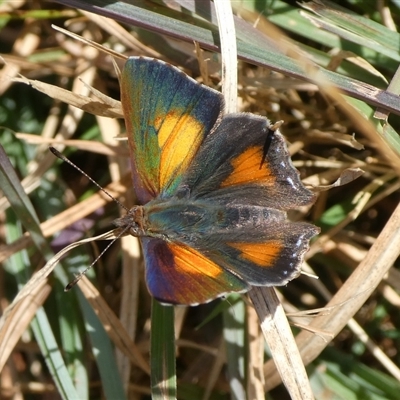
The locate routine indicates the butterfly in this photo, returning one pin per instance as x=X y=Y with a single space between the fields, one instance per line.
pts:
x=213 y=190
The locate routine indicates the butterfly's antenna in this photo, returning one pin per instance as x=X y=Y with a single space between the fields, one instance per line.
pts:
x=84 y=272
x=62 y=157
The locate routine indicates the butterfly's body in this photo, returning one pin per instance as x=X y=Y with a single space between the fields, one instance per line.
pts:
x=213 y=196
x=187 y=221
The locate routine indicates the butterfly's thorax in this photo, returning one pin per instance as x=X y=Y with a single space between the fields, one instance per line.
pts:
x=176 y=220
x=169 y=219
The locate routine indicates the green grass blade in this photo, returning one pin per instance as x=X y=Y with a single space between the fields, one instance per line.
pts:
x=50 y=351
x=102 y=351
x=162 y=352
x=71 y=338
x=12 y=189
x=355 y=28
x=346 y=378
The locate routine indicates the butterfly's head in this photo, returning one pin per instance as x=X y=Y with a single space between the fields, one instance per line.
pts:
x=132 y=222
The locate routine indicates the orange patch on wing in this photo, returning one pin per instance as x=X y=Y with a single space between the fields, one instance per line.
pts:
x=262 y=254
x=247 y=168
x=179 y=137
x=188 y=260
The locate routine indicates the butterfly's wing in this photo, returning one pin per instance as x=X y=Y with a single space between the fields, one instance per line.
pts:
x=201 y=250
x=179 y=274
x=253 y=184
x=255 y=243
x=167 y=116
x=234 y=166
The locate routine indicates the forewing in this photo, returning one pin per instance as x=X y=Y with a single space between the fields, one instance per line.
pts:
x=245 y=162
x=179 y=274
x=167 y=116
